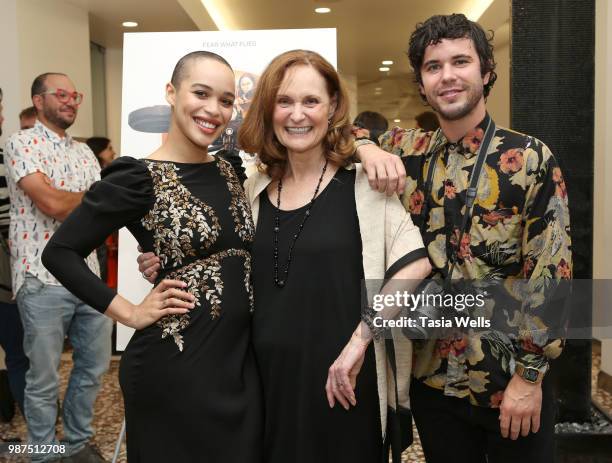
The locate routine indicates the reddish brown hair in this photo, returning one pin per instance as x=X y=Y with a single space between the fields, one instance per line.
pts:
x=256 y=134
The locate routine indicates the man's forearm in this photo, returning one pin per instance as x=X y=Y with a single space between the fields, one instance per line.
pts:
x=61 y=203
x=406 y=281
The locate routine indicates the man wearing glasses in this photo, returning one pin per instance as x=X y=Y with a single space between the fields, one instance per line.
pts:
x=47 y=173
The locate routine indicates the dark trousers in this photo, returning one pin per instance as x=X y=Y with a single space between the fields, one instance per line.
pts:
x=11 y=341
x=453 y=430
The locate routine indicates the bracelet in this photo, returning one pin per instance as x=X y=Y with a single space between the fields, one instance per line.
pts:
x=363 y=141
x=367 y=316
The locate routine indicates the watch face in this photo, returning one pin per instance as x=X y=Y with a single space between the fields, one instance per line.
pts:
x=531 y=374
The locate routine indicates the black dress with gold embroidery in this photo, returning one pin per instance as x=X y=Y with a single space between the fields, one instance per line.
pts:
x=190 y=383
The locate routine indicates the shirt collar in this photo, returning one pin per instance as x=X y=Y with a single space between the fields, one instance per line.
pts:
x=468 y=145
x=53 y=137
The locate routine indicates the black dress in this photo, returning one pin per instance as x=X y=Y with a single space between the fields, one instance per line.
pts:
x=190 y=384
x=300 y=329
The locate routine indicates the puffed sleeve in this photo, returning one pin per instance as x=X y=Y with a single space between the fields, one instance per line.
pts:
x=124 y=195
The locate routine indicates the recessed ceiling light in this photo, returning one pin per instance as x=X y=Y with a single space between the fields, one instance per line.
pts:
x=384 y=69
x=378 y=89
x=387 y=62
x=397 y=120
x=130 y=24
x=322 y=10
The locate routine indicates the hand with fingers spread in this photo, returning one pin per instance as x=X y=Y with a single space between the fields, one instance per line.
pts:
x=520 y=408
x=167 y=298
x=386 y=171
x=148 y=265
x=342 y=375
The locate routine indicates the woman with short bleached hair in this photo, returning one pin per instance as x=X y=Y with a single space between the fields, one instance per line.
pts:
x=320 y=230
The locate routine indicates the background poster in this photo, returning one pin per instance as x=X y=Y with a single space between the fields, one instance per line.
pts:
x=145 y=112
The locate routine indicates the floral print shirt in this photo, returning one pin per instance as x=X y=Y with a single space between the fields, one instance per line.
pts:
x=519 y=230
x=70 y=166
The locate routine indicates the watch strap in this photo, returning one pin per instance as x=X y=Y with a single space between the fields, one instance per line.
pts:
x=529 y=374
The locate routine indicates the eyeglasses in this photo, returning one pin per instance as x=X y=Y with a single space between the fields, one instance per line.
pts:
x=64 y=96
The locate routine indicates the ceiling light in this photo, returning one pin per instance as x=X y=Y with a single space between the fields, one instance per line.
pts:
x=378 y=89
x=397 y=120
x=384 y=69
x=322 y=10
x=387 y=62
x=130 y=24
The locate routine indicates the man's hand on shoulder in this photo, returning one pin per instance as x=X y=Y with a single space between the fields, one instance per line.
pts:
x=386 y=172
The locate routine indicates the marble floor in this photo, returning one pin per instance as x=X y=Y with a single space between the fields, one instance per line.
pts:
x=109 y=414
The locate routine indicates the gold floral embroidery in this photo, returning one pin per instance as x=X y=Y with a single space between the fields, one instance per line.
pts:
x=203 y=278
x=179 y=221
x=176 y=217
x=239 y=207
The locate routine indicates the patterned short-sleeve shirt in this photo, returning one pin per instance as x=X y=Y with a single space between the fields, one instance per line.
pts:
x=70 y=166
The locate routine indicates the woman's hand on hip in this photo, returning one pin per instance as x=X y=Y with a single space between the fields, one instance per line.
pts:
x=167 y=298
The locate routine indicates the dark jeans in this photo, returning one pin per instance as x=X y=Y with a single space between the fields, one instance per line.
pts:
x=453 y=430
x=11 y=340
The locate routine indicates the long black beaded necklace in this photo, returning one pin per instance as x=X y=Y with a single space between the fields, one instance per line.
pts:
x=278 y=282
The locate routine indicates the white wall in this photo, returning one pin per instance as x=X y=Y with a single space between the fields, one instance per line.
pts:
x=40 y=36
x=9 y=69
x=602 y=247
x=114 y=66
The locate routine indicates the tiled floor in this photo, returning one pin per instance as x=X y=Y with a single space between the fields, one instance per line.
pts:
x=109 y=415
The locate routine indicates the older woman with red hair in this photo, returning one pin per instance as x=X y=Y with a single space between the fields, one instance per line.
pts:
x=320 y=230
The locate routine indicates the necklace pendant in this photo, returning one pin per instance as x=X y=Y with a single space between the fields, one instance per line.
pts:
x=280 y=283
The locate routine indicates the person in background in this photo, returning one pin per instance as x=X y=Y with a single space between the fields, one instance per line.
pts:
x=102 y=149
x=11 y=330
x=370 y=125
x=27 y=118
x=427 y=121
x=47 y=174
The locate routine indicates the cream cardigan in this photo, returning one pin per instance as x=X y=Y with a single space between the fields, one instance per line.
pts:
x=390 y=241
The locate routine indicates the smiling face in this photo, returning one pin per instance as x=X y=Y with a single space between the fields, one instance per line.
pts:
x=51 y=111
x=302 y=108
x=451 y=78
x=202 y=103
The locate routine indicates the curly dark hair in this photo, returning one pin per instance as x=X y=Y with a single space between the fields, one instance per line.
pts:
x=452 y=26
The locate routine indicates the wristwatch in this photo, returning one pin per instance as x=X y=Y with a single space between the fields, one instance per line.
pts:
x=529 y=374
